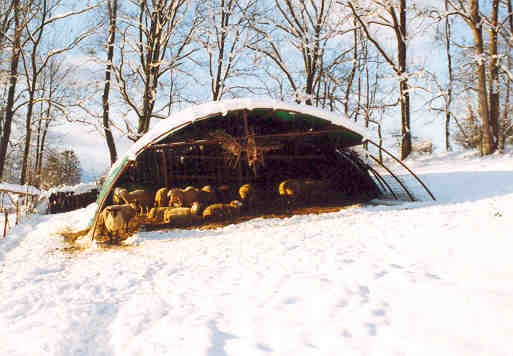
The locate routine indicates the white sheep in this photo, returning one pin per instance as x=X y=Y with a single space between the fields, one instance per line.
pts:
x=161 y=197
x=140 y=198
x=183 y=197
x=115 y=218
x=182 y=216
x=217 y=212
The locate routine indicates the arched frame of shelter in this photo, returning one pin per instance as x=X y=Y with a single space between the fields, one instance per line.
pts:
x=246 y=139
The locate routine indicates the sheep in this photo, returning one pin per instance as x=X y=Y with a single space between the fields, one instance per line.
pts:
x=183 y=197
x=290 y=188
x=115 y=218
x=247 y=194
x=156 y=214
x=140 y=198
x=306 y=190
x=182 y=216
x=161 y=197
x=216 y=212
x=116 y=196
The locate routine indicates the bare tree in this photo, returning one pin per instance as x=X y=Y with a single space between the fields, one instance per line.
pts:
x=6 y=12
x=308 y=30
x=35 y=60
x=154 y=42
x=53 y=87
x=18 y=25
x=444 y=88
x=506 y=126
x=224 y=35
x=112 y=8
x=472 y=16
x=396 y=20
x=449 y=91
x=493 y=87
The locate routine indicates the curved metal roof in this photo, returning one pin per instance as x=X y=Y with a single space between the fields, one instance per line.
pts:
x=189 y=115
x=186 y=117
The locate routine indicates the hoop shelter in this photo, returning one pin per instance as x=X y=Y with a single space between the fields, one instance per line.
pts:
x=239 y=141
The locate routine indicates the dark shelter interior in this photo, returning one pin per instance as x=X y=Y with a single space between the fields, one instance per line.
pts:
x=261 y=147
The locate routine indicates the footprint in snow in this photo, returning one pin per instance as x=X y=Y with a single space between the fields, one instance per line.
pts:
x=433 y=276
x=380 y=274
x=371 y=329
x=364 y=294
x=290 y=301
x=379 y=312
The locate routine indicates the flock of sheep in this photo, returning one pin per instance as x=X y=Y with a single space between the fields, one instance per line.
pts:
x=190 y=206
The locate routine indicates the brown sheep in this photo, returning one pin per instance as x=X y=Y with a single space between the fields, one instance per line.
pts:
x=304 y=190
x=140 y=198
x=161 y=197
x=156 y=214
x=182 y=216
x=183 y=197
x=115 y=218
x=290 y=188
x=216 y=212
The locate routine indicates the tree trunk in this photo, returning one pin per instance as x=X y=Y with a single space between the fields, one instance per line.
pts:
x=487 y=136
x=216 y=85
x=405 y=119
x=44 y=132
x=493 y=88
x=112 y=8
x=13 y=79
x=28 y=136
x=32 y=80
x=448 y=99
x=403 y=84
x=353 y=69
x=152 y=68
x=42 y=148
x=505 y=112
x=38 y=140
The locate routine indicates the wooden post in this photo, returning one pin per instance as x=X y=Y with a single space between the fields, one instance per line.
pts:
x=26 y=195
x=6 y=221
x=17 y=212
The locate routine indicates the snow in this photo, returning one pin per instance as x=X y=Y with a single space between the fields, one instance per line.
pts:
x=21 y=189
x=425 y=278
x=76 y=189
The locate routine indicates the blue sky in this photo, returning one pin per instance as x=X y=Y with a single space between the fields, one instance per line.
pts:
x=424 y=53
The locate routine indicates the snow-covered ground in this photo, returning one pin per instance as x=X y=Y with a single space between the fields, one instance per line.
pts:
x=410 y=279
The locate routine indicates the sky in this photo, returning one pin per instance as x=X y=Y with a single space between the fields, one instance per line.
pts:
x=424 y=53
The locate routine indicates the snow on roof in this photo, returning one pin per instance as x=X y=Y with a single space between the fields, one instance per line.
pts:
x=19 y=189
x=176 y=120
x=76 y=189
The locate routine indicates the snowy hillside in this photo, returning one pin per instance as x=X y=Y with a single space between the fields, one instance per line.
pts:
x=408 y=279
